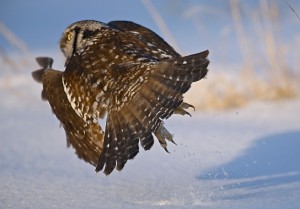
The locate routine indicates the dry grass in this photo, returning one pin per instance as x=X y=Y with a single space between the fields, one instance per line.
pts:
x=274 y=78
x=265 y=74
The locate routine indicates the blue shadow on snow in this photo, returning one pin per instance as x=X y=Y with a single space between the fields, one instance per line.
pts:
x=273 y=160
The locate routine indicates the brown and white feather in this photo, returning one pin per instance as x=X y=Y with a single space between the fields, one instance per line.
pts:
x=127 y=73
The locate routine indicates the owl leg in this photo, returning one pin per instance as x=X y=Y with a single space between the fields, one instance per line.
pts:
x=181 y=109
x=162 y=134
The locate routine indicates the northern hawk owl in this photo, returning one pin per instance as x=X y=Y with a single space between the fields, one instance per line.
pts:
x=124 y=73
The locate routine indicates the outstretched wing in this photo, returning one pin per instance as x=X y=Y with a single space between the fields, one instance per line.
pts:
x=88 y=75
x=136 y=83
x=154 y=95
x=86 y=138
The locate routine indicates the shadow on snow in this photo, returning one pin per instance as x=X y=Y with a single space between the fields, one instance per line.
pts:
x=272 y=160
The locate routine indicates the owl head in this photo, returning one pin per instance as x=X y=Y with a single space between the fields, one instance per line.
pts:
x=79 y=35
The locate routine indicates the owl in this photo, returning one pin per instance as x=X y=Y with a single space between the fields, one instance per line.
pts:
x=125 y=74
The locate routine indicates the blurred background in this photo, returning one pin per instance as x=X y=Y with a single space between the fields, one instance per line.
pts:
x=254 y=45
x=243 y=157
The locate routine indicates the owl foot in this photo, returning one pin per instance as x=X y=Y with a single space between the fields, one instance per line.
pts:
x=162 y=134
x=181 y=109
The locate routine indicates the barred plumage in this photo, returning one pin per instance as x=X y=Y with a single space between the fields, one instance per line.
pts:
x=123 y=70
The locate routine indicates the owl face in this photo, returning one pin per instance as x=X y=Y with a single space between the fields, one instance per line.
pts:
x=79 y=35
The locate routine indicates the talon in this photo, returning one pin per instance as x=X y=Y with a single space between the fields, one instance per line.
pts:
x=185 y=105
x=165 y=148
x=181 y=111
x=162 y=134
x=171 y=140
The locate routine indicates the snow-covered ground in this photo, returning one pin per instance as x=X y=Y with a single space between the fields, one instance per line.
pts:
x=239 y=158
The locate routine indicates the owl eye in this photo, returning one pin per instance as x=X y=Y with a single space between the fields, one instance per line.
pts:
x=69 y=36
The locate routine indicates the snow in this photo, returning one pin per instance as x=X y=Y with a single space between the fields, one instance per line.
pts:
x=239 y=158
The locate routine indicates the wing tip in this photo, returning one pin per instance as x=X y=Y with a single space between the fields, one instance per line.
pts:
x=44 y=62
x=37 y=75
